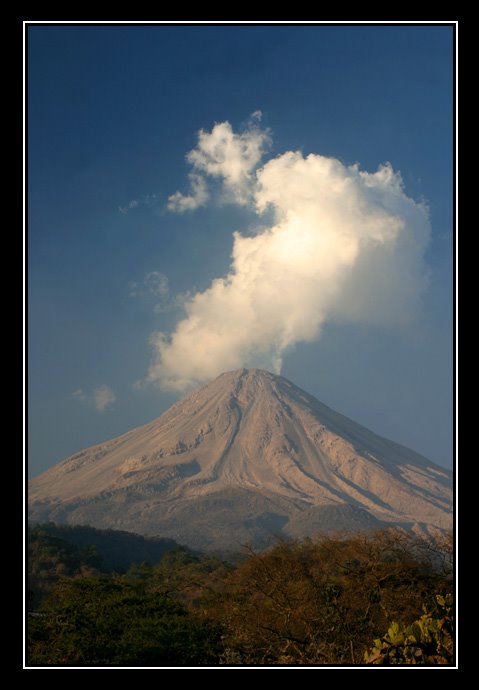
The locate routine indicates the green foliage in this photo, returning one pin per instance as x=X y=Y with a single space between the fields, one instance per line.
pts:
x=46 y=552
x=118 y=549
x=107 y=621
x=66 y=550
x=428 y=641
x=50 y=557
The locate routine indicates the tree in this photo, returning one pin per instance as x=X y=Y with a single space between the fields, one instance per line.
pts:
x=324 y=602
x=107 y=621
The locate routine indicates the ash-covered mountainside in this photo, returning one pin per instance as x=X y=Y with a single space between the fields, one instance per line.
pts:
x=248 y=456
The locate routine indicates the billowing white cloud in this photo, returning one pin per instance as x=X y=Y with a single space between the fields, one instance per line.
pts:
x=227 y=156
x=198 y=196
x=344 y=245
x=101 y=398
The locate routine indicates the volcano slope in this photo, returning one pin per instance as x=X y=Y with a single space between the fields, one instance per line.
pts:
x=242 y=459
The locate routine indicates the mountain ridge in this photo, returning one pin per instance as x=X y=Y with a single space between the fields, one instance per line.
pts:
x=245 y=456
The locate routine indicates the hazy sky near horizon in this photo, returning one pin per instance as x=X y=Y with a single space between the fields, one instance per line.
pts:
x=307 y=229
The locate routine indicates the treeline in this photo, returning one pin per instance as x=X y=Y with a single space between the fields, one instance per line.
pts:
x=117 y=549
x=381 y=598
x=71 y=550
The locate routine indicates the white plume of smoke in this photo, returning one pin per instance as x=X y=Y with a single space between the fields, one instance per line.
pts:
x=344 y=245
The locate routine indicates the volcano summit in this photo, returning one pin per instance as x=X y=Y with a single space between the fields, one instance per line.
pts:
x=245 y=457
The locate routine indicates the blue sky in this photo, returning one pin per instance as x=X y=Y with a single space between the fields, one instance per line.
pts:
x=112 y=113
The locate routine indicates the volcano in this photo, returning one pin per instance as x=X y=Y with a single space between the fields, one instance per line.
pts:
x=242 y=459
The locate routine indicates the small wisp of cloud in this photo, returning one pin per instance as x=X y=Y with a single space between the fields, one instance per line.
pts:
x=154 y=286
x=131 y=204
x=145 y=200
x=100 y=398
x=343 y=245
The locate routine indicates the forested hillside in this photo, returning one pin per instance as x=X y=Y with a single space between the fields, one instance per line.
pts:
x=383 y=598
x=117 y=549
